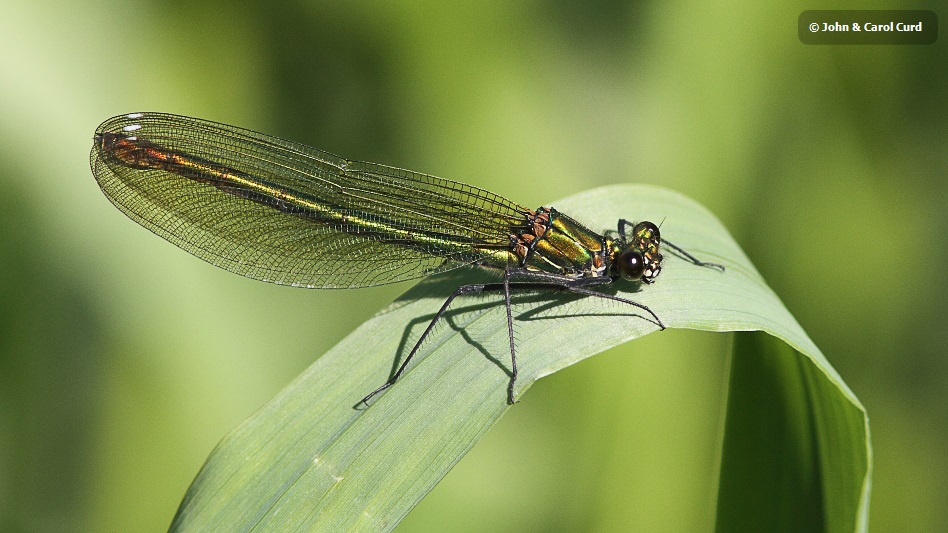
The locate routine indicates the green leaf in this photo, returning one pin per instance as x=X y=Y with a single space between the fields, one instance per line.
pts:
x=796 y=448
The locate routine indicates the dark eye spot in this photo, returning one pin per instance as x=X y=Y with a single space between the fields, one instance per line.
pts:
x=631 y=265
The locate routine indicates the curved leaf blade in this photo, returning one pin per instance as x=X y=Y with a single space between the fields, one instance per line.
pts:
x=310 y=459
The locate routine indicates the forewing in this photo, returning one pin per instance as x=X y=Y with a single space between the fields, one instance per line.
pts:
x=346 y=224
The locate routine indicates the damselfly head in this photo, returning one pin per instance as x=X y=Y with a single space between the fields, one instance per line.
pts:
x=631 y=265
x=639 y=259
x=645 y=234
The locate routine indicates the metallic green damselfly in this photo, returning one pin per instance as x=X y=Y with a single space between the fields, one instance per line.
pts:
x=286 y=213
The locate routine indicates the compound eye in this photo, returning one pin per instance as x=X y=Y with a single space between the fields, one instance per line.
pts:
x=646 y=229
x=631 y=265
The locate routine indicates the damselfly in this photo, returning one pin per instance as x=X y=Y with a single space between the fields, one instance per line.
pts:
x=286 y=213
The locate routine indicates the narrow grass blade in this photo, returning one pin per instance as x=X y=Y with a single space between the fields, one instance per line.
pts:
x=311 y=459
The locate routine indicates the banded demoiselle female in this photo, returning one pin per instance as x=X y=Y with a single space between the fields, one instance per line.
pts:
x=286 y=213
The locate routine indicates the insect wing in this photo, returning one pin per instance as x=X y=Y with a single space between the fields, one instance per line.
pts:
x=283 y=212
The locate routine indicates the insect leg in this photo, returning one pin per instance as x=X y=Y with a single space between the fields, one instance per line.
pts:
x=577 y=285
x=623 y=223
x=579 y=289
x=463 y=289
x=510 y=333
x=692 y=258
x=535 y=281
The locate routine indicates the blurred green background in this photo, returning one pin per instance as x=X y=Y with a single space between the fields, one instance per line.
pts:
x=124 y=360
